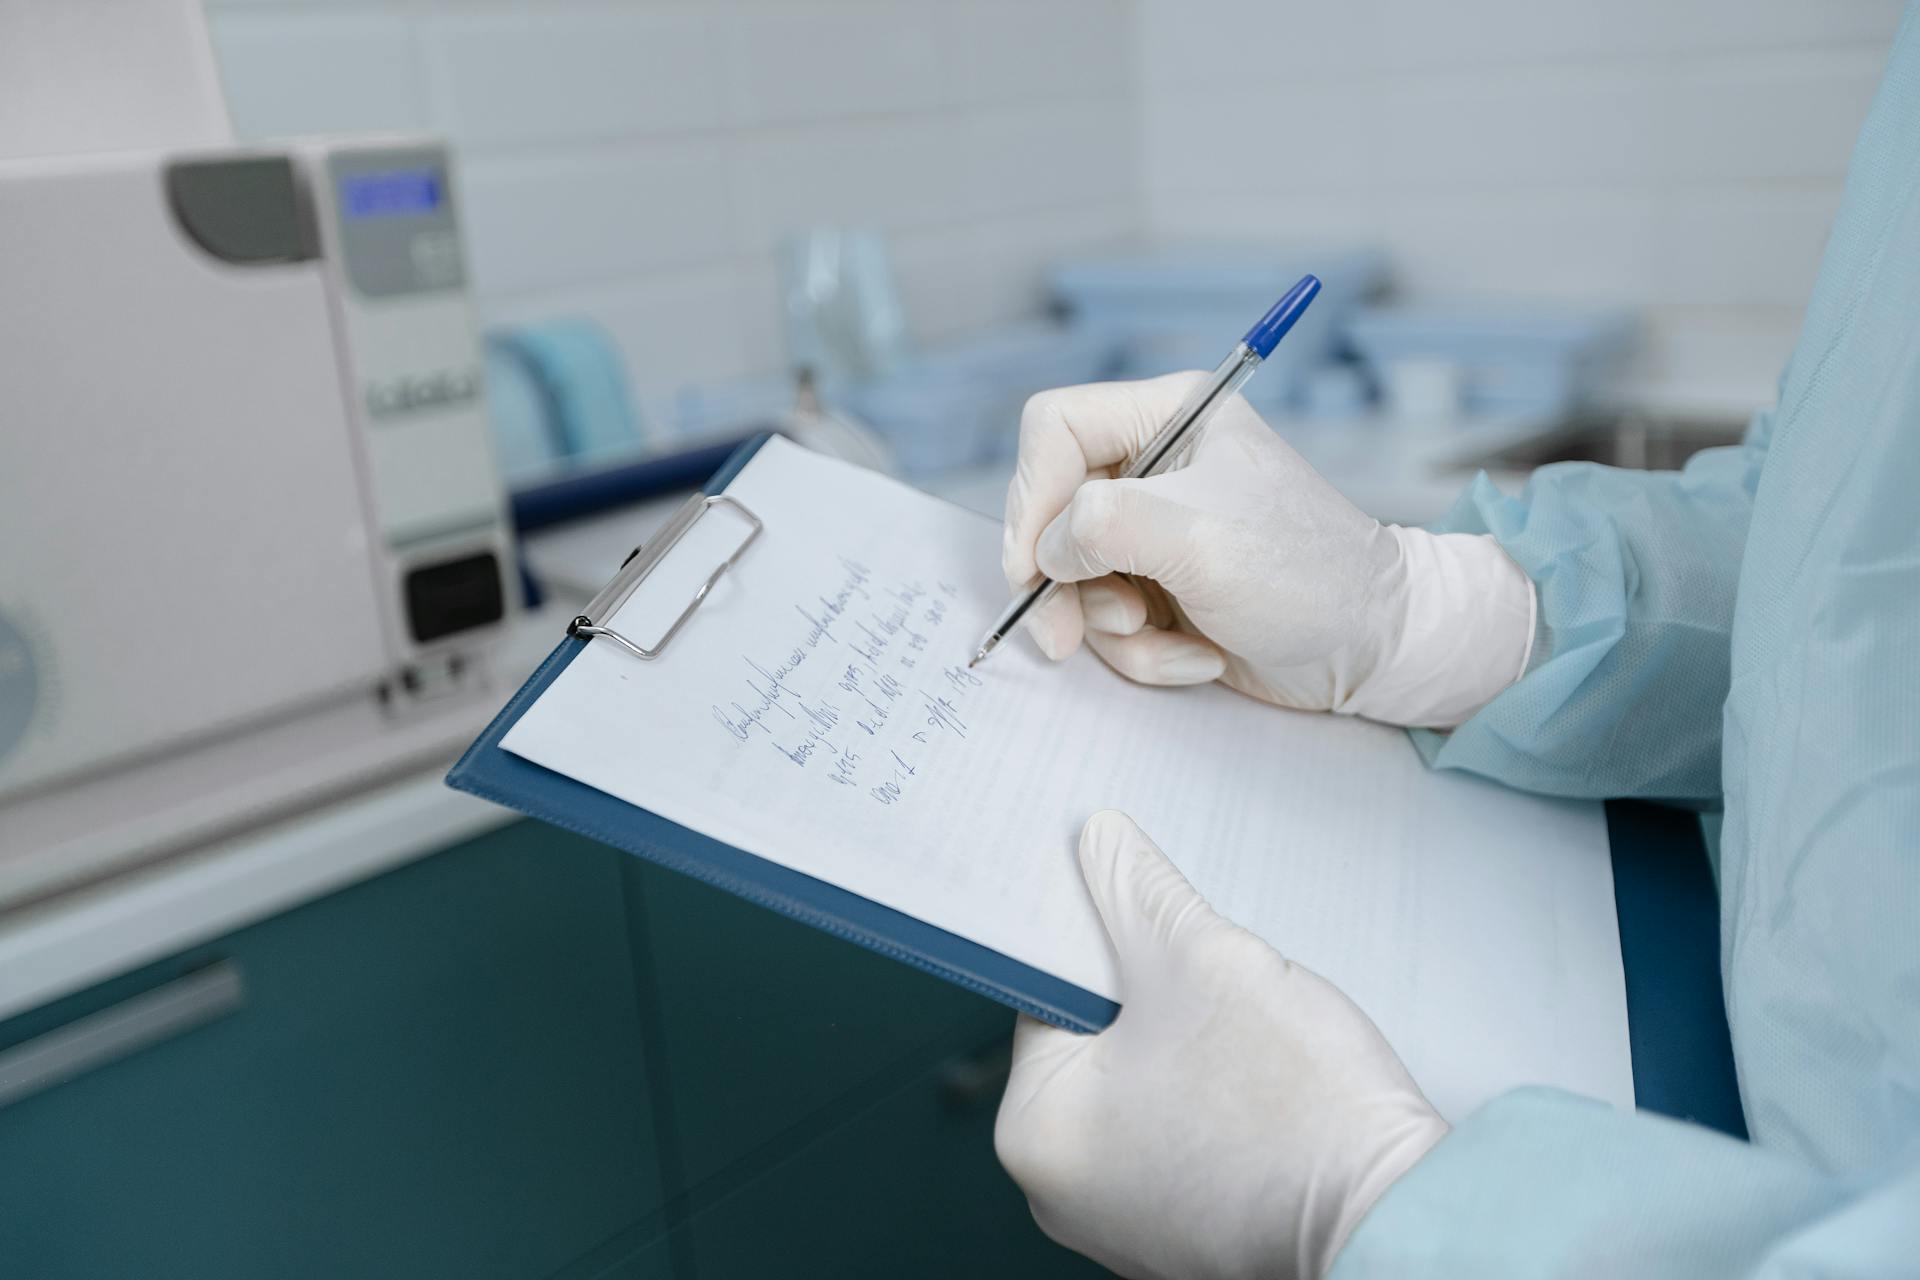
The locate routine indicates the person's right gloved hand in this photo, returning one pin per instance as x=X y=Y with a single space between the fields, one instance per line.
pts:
x=1244 y=565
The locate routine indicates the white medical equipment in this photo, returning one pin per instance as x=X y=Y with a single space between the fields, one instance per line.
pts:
x=254 y=549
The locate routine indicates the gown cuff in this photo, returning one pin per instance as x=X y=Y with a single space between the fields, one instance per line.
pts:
x=1541 y=1182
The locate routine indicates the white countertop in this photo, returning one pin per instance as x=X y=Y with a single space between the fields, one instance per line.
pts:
x=316 y=840
x=89 y=935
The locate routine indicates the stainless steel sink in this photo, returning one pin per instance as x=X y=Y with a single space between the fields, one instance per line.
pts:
x=1638 y=441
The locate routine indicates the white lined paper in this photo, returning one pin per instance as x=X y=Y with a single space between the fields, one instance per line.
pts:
x=816 y=711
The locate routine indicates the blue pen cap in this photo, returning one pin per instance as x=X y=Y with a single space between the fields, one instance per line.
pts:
x=1266 y=335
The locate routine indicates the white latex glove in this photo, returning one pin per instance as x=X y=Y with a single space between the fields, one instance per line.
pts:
x=1237 y=1119
x=1258 y=572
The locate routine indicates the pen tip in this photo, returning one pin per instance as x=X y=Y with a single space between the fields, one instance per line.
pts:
x=973 y=662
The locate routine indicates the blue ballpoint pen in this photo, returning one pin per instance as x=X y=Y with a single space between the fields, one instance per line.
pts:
x=1184 y=427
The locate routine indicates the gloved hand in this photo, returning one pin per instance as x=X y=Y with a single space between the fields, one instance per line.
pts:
x=1257 y=571
x=1237 y=1119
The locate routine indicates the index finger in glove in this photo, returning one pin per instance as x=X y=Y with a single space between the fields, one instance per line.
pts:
x=1071 y=434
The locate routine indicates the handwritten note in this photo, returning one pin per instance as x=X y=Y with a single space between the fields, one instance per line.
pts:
x=885 y=699
x=817 y=711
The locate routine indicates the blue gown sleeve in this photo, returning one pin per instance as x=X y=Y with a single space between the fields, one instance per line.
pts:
x=1819 y=884
x=1634 y=574
x=1654 y=1197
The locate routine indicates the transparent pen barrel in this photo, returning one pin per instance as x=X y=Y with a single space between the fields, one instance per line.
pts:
x=1176 y=437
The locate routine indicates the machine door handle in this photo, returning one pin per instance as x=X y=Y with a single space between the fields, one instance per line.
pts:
x=120 y=1030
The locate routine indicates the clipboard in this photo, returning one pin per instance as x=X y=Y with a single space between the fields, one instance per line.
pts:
x=1665 y=899
x=491 y=772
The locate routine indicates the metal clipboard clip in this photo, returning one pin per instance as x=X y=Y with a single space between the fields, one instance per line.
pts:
x=645 y=559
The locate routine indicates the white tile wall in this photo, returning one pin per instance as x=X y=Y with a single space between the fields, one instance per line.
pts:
x=301 y=70
x=1685 y=158
x=544 y=74
x=583 y=214
x=642 y=162
x=816 y=60
x=896 y=172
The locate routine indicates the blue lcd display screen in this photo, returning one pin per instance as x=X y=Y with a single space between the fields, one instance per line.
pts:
x=394 y=193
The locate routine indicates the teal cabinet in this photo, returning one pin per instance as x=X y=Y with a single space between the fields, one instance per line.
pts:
x=656 y=1257
x=769 y=1021
x=527 y=1056
x=908 y=1187
x=833 y=1109
x=438 y=1072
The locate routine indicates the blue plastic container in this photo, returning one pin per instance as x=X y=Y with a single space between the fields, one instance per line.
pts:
x=710 y=410
x=524 y=442
x=1182 y=308
x=959 y=405
x=1512 y=359
x=558 y=396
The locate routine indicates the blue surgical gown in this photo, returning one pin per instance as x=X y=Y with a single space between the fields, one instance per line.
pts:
x=1746 y=631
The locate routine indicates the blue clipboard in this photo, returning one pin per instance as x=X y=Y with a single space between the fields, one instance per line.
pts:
x=492 y=773
x=1669 y=928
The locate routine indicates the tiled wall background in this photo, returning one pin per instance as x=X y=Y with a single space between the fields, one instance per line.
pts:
x=1681 y=156
x=640 y=162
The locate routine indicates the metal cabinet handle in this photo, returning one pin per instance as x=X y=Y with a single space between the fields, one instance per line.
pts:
x=120 y=1030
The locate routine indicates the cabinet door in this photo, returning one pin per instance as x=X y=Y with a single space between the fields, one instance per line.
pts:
x=438 y=1072
x=909 y=1187
x=766 y=1021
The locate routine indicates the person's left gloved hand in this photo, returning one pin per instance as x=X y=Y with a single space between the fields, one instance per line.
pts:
x=1237 y=1119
